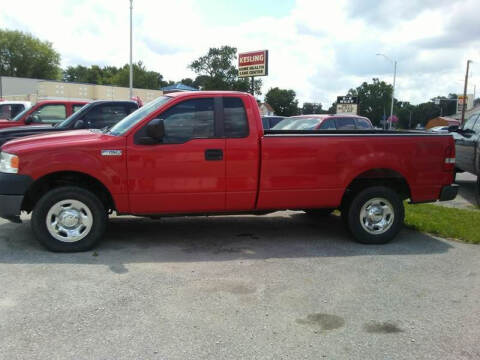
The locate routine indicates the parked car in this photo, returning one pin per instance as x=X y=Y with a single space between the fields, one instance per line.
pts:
x=467 y=145
x=324 y=122
x=44 y=112
x=95 y=115
x=203 y=153
x=10 y=109
x=270 y=121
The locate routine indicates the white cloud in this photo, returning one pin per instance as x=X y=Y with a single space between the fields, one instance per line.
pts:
x=320 y=49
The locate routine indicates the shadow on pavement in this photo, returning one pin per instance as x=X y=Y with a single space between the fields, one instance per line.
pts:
x=193 y=239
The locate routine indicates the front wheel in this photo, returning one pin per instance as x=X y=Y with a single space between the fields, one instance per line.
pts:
x=375 y=215
x=69 y=219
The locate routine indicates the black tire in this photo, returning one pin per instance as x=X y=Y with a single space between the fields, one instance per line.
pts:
x=47 y=201
x=355 y=223
x=318 y=212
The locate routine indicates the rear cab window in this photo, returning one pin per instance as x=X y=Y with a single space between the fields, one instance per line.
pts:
x=345 y=123
x=328 y=124
x=362 y=124
x=235 y=118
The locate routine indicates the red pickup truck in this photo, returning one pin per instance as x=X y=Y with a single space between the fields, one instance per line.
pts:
x=44 y=112
x=207 y=153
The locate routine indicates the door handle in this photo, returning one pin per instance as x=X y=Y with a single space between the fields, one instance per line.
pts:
x=213 y=154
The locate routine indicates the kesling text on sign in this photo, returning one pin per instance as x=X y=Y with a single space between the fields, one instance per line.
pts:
x=252 y=64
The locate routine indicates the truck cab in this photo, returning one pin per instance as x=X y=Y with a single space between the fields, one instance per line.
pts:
x=44 y=112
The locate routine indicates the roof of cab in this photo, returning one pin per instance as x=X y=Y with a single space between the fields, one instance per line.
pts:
x=212 y=93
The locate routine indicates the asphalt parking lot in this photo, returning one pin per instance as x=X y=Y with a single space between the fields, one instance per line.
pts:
x=282 y=286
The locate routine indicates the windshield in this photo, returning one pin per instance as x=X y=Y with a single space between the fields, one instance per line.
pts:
x=297 y=124
x=20 y=115
x=127 y=123
x=70 y=121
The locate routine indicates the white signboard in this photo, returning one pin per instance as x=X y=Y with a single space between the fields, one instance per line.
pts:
x=254 y=63
x=347 y=105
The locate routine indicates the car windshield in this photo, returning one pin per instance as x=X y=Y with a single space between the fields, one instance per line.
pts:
x=127 y=123
x=70 y=121
x=20 y=115
x=297 y=124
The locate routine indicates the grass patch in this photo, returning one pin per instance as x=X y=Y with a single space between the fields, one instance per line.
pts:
x=445 y=222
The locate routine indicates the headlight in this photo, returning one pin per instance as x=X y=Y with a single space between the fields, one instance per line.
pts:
x=8 y=163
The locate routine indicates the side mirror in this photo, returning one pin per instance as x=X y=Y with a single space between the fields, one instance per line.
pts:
x=156 y=129
x=453 y=128
x=80 y=124
x=29 y=120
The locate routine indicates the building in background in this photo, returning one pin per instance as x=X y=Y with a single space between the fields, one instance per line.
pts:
x=23 y=89
x=266 y=109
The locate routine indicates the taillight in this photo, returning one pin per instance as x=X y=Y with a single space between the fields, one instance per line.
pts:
x=449 y=162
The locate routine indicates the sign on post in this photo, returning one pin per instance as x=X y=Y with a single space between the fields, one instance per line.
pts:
x=253 y=63
x=347 y=104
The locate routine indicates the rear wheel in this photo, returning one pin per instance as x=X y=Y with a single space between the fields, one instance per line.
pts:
x=375 y=215
x=69 y=219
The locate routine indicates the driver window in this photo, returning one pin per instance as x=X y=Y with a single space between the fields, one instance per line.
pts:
x=50 y=114
x=189 y=119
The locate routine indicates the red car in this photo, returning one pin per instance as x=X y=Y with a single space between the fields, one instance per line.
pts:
x=44 y=112
x=324 y=122
x=206 y=152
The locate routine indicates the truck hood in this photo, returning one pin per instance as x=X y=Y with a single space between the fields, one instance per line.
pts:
x=50 y=141
x=29 y=128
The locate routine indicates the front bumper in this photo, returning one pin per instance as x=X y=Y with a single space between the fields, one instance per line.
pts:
x=12 y=190
x=449 y=192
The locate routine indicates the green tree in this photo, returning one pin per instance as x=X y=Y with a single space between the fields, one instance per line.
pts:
x=374 y=100
x=312 y=108
x=283 y=101
x=23 y=55
x=217 y=70
x=111 y=75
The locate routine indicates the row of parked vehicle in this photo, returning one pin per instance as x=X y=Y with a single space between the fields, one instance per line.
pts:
x=317 y=122
x=198 y=153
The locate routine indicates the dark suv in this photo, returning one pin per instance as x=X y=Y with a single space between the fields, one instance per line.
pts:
x=95 y=115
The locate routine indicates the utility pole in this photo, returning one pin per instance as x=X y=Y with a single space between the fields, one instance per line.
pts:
x=131 y=66
x=464 y=106
x=394 y=62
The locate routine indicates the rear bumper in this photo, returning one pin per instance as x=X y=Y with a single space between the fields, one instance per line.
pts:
x=449 y=192
x=12 y=190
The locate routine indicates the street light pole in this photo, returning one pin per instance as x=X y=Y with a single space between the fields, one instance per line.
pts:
x=464 y=106
x=131 y=66
x=394 y=62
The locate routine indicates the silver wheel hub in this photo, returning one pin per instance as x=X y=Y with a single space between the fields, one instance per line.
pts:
x=69 y=220
x=377 y=216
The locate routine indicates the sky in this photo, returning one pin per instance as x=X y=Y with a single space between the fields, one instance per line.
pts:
x=318 y=48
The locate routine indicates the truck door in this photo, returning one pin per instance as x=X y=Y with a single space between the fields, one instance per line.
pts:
x=242 y=154
x=465 y=145
x=186 y=172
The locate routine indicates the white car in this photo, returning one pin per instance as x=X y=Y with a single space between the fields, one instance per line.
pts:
x=10 y=109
